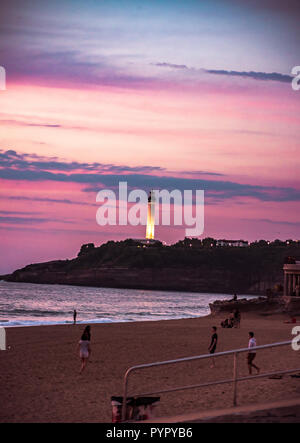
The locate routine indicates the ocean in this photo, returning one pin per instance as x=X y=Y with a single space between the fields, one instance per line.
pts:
x=26 y=304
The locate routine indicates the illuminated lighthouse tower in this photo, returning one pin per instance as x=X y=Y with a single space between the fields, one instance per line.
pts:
x=150 y=217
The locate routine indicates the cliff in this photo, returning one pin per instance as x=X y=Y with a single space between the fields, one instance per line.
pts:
x=127 y=264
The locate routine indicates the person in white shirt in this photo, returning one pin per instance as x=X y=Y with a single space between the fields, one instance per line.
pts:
x=84 y=349
x=252 y=354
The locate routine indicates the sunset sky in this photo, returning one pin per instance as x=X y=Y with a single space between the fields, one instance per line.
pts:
x=161 y=94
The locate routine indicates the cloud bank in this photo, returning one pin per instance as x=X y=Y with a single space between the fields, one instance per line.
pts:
x=94 y=176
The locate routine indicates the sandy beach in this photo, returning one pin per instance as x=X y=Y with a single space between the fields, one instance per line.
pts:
x=40 y=381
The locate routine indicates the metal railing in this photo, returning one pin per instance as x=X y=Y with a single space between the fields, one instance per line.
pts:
x=233 y=380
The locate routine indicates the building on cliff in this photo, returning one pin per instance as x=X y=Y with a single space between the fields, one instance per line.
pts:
x=232 y=243
x=291 y=271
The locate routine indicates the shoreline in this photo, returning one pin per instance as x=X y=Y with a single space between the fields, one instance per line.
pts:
x=70 y=323
x=217 y=318
x=39 y=379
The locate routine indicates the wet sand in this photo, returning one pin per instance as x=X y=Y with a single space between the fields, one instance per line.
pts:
x=40 y=381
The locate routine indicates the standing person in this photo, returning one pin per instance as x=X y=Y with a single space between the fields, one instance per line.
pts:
x=84 y=349
x=234 y=297
x=252 y=354
x=74 y=316
x=213 y=344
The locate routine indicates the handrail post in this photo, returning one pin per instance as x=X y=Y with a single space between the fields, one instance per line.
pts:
x=235 y=355
x=124 y=404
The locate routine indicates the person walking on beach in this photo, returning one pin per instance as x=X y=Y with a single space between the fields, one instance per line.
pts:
x=84 y=348
x=74 y=316
x=252 y=354
x=213 y=344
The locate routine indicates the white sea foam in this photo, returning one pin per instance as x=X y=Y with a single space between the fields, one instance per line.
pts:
x=26 y=304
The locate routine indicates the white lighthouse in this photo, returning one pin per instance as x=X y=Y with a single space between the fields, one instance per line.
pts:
x=150 y=217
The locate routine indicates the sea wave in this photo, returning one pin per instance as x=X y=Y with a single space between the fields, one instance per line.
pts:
x=26 y=304
x=32 y=312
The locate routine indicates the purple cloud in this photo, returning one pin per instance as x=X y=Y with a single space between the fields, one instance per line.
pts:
x=170 y=65
x=274 y=76
x=94 y=176
x=31 y=220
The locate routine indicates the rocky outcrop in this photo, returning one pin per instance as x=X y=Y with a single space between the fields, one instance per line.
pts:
x=243 y=305
x=272 y=304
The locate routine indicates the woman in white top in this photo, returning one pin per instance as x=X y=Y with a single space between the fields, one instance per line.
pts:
x=252 y=354
x=84 y=346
